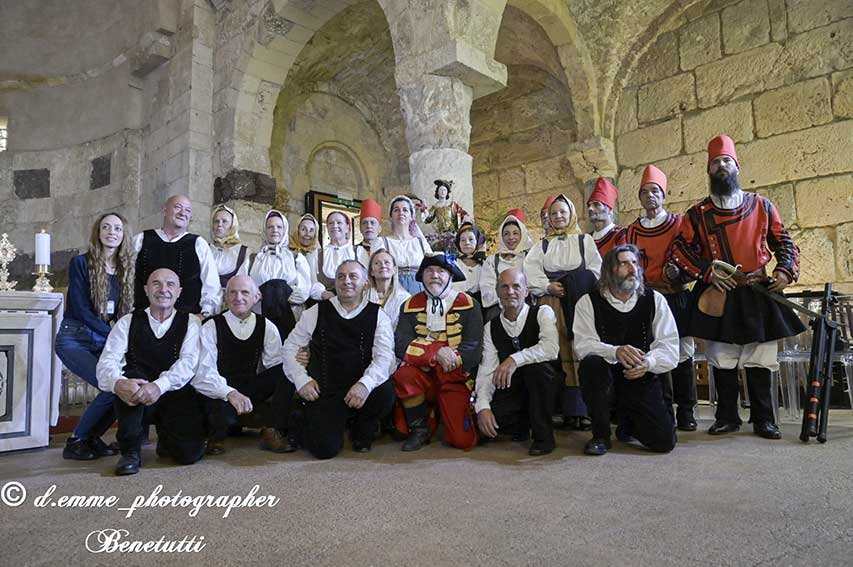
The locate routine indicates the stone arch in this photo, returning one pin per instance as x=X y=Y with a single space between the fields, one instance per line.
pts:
x=328 y=166
x=559 y=24
x=268 y=36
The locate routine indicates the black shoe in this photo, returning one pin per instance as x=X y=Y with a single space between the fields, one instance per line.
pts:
x=723 y=427
x=161 y=449
x=101 y=449
x=129 y=463
x=361 y=446
x=623 y=434
x=77 y=449
x=597 y=446
x=685 y=420
x=537 y=450
x=767 y=430
x=418 y=437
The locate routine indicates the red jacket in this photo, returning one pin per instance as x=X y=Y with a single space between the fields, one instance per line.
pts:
x=654 y=244
x=745 y=235
x=614 y=237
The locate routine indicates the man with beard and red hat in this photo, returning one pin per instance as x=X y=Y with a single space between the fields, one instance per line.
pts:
x=740 y=324
x=653 y=234
x=439 y=338
x=600 y=208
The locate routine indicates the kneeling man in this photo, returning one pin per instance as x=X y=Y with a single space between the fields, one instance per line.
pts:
x=626 y=337
x=517 y=376
x=148 y=361
x=234 y=345
x=350 y=344
x=439 y=338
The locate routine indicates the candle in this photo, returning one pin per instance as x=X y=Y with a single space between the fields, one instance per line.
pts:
x=42 y=249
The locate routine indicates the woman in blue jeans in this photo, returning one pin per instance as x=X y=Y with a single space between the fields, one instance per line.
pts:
x=100 y=290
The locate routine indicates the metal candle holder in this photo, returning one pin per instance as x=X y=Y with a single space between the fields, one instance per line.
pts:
x=42 y=284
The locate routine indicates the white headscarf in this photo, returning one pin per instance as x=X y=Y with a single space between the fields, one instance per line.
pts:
x=285 y=239
x=414 y=229
x=524 y=244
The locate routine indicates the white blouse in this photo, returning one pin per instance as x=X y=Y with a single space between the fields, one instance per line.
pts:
x=408 y=253
x=392 y=304
x=332 y=258
x=226 y=260
x=488 y=279
x=563 y=255
x=472 y=277
x=278 y=262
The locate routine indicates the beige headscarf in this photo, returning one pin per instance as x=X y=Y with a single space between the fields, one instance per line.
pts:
x=524 y=244
x=572 y=226
x=296 y=245
x=233 y=236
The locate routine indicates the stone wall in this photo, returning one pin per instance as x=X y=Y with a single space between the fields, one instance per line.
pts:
x=520 y=135
x=778 y=78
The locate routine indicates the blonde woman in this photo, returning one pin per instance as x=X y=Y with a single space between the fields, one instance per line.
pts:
x=100 y=290
x=385 y=289
x=560 y=270
x=231 y=257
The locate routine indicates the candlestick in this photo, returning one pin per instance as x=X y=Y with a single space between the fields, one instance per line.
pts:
x=42 y=249
x=42 y=284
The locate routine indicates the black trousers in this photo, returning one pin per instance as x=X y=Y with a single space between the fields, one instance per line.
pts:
x=322 y=423
x=526 y=405
x=639 y=402
x=679 y=386
x=178 y=417
x=268 y=385
x=758 y=386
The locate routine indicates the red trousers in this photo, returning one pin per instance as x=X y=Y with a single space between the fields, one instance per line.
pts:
x=447 y=389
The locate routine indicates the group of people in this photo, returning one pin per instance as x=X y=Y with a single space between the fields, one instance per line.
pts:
x=387 y=335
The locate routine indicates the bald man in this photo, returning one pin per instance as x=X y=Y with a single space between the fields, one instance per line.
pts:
x=240 y=367
x=148 y=361
x=186 y=254
x=517 y=377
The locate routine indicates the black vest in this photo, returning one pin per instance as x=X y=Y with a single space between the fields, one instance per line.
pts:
x=237 y=360
x=181 y=258
x=529 y=335
x=632 y=328
x=147 y=356
x=341 y=349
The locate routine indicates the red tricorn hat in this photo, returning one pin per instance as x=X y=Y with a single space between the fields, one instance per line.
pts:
x=371 y=209
x=604 y=192
x=517 y=213
x=653 y=175
x=721 y=146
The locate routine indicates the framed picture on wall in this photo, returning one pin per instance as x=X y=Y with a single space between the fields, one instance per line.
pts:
x=321 y=205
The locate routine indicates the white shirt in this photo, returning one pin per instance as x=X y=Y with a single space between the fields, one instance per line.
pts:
x=548 y=348
x=488 y=280
x=408 y=253
x=472 y=277
x=563 y=255
x=646 y=222
x=392 y=303
x=208 y=381
x=597 y=234
x=112 y=359
x=383 y=346
x=332 y=258
x=226 y=260
x=729 y=201
x=663 y=353
x=278 y=262
x=211 y=291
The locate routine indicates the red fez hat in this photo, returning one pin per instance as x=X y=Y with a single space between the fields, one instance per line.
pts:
x=721 y=146
x=517 y=213
x=548 y=202
x=653 y=175
x=371 y=209
x=604 y=192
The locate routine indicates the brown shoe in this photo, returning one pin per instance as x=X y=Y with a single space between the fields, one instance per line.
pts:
x=273 y=440
x=215 y=447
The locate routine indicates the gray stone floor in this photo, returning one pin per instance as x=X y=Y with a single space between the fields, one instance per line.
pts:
x=732 y=500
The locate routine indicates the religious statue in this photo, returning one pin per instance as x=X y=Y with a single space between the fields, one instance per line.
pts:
x=445 y=216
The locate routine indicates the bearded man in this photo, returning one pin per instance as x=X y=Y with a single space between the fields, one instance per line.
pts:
x=600 y=208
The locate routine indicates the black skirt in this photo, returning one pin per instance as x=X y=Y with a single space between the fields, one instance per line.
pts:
x=681 y=305
x=749 y=317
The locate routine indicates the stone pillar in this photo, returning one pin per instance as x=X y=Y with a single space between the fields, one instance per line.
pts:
x=444 y=60
x=438 y=128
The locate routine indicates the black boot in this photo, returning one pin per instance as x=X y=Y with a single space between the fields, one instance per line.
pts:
x=129 y=463
x=684 y=394
x=418 y=422
x=78 y=449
